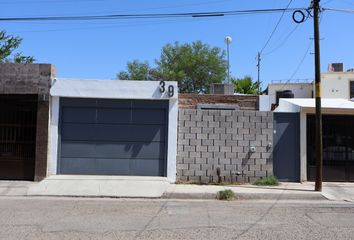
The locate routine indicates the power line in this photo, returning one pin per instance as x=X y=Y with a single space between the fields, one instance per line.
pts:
x=276 y=26
x=151 y=15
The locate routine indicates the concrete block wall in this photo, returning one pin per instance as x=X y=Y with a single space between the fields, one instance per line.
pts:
x=211 y=139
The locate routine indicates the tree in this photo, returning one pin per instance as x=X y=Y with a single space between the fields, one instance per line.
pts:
x=195 y=66
x=245 y=85
x=137 y=70
x=8 y=44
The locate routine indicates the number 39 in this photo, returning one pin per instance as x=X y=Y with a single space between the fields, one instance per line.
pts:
x=170 y=89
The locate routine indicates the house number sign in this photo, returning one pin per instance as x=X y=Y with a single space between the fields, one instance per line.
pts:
x=170 y=89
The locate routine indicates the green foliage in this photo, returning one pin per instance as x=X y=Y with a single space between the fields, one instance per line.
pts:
x=137 y=70
x=8 y=44
x=245 y=85
x=226 y=195
x=195 y=66
x=267 y=181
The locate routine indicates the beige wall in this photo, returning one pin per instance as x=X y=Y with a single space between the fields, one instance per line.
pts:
x=336 y=84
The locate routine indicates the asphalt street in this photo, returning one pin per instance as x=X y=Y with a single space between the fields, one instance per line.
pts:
x=86 y=218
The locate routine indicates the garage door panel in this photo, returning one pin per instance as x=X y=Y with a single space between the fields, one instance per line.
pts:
x=78 y=166
x=149 y=104
x=113 y=116
x=106 y=166
x=154 y=150
x=127 y=133
x=78 y=115
x=146 y=167
x=114 y=103
x=149 y=116
x=78 y=102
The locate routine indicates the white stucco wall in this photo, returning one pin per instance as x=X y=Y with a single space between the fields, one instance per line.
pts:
x=113 y=89
x=336 y=84
x=300 y=90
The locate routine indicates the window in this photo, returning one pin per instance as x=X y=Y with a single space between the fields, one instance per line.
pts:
x=351 y=89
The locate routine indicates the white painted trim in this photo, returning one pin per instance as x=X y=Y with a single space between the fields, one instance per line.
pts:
x=53 y=136
x=303 y=147
x=113 y=89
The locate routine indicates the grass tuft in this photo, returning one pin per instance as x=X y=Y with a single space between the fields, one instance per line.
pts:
x=267 y=181
x=226 y=195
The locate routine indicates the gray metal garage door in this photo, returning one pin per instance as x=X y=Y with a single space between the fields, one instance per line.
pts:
x=113 y=137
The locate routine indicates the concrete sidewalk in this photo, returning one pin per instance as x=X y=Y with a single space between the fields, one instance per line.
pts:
x=156 y=187
x=100 y=186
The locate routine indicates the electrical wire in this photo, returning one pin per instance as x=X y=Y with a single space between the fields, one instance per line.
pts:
x=150 y=15
x=339 y=10
x=276 y=26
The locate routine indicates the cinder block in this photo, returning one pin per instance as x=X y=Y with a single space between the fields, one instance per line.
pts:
x=243 y=143
x=258 y=145
x=183 y=130
x=189 y=148
x=193 y=166
x=219 y=142
x=236 y=161
x=197 y=117
x=188 y=172
x=255 y=167
x=203 y=112
x=261 y=173
x=213 y=161
x=183 y=154
x=213 y=148
x=244 y=119
x=207 y=130
x=223 y=161
x=225 y=112
x=214 y=136
x=248 y=124
x=225 y=149
x=261 y=138
x=208 y=118
x=195 y=142
x=202 y=124
x=201 y=160
x=182 y=166
x=267 y=119
x=219 y=155
x=190 y=124
x=206 y=167
x=250 y=113
x=202 y=136
x=195 y=154
x=207 y=154
x=261 y=114
x=201 y=148
x=190 y=111
x=260 y=125
x=220 y=118
x=256 y=119
x=237 y=149
x=249 y=137
x=231 y=118
x=200 y=173
x=214 y=112
x=214 y=124
x=225 y=124
x=188 y=160
x=195 y=130
x=184 y=117
x=231 y=130
x=207 y=142
x=219 y=130
x=179 y=159
x=225 y=136
x=243 y=131
x=237 y=124
x=183 y=141
x=189 y=135
x=231 y=155
x=229 y=167
x=255 y=131
x=237 y=137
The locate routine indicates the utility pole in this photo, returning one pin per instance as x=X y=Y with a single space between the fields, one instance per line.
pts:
x=259 y=71
x=318 y=140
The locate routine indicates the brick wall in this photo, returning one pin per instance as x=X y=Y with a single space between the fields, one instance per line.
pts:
x=211 y=139
x=192 y=100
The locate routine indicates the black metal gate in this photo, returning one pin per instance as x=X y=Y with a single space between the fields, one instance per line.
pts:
x=338 y=148
x=18 y=117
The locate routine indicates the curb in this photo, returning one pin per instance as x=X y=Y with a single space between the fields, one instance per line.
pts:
x=247 y=196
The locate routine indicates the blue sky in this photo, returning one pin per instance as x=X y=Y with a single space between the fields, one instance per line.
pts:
x=100 y=49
